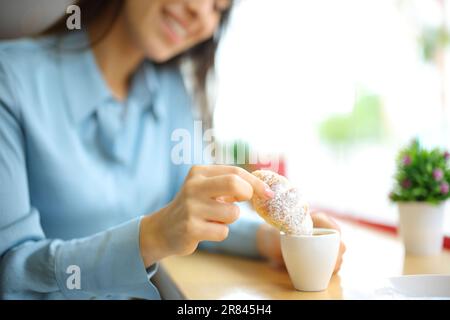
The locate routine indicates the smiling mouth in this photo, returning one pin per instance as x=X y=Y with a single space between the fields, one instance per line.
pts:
x=175 y=30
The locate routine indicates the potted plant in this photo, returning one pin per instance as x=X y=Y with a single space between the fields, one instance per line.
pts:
x=421 y=188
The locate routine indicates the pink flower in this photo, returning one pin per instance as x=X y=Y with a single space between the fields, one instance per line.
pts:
x=438 y=174
x=406 y=160
x=406 y=184
x=447 y=155
x=444 y=188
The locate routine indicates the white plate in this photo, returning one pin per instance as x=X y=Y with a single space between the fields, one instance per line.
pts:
x=416 y=287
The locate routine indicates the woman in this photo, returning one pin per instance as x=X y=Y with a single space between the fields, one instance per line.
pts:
x=90 y=200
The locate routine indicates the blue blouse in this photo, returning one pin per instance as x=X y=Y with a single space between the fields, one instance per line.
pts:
x=78 y=169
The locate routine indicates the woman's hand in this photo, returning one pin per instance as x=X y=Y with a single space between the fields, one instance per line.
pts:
x=268 y=240
x=321 y=220
x=201 y=211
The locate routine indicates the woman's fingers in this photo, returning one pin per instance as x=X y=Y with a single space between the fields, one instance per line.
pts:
x=321 y=220
x=214 y=211
x=258 y=186
x=212 y=231
x=226 y=199
x=342 y=249
x=230 y=186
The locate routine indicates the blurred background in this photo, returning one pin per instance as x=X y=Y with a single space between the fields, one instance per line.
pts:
x=337 y=87
x=333 y=87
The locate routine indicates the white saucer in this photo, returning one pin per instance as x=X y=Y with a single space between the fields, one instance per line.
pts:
x=416 y=287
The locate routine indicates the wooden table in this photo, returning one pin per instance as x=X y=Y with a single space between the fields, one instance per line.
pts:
x=372 y=256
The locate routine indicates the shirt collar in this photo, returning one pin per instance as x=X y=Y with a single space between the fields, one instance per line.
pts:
x=85 y=87
x=145 y=89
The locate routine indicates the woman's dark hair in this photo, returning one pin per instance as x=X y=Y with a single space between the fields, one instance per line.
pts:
x=202 y=56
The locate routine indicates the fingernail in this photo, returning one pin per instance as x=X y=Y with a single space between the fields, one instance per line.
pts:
x=268 y=192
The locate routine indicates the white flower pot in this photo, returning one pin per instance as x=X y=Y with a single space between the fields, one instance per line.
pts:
x=421 y=227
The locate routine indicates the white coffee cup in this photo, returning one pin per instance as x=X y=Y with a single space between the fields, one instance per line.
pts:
x=310 y=260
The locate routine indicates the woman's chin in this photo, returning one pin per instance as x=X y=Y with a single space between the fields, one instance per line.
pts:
x=161 y=56
x=159 y=51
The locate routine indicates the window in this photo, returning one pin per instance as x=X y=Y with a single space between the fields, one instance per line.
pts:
x=337 y=87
